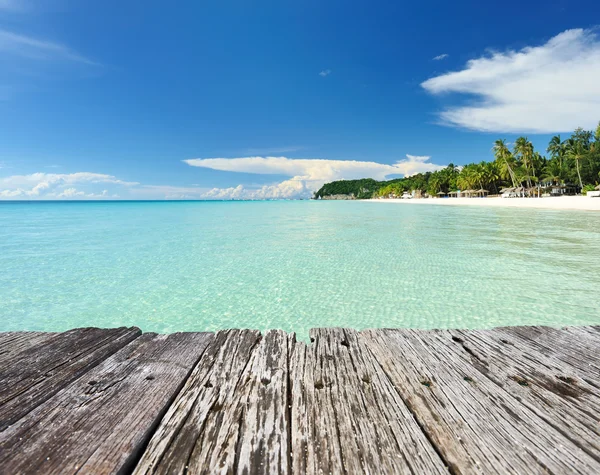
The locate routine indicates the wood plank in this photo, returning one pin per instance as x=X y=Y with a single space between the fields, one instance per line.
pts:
x=204 y=427
x=314 y=433
x=579 y=351
x=13 y=343
x=347 y=416
x=475 y=425
x=101 y=422
x=551 y=389
x=39 y=372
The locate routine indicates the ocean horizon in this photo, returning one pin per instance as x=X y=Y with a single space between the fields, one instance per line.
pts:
x=190 y=266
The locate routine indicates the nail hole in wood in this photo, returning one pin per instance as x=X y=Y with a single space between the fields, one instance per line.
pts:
x=468 y=379
x=150 y=377
x=208 y=384
x=457 y=340
x=520 y=381
x=426 y=383
x=92 y=383
x=345 y=343
x=319 y=385
x=312 y=340
x=265 y=381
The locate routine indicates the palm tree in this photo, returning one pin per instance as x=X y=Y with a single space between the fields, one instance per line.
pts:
x=577 y=151
x=554 y=171
x=556 y=148
x=524 y=149
x=505 y=160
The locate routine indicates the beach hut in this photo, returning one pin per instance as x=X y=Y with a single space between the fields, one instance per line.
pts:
x=453 y=194
x=482 y=193
x=441 y=194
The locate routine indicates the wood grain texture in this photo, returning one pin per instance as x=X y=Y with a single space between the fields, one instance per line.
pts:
x=40 y=371
x=507 y=400
x=475 y=424
x=347 y=416
x=13 y=343
x=231 y=415
x=575 y=346
x=551 y=389
x=101 y=422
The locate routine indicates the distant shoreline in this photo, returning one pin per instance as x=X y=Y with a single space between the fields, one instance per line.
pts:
x=581 y=203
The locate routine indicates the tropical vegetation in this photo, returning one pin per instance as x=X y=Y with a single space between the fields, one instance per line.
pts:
x=574 y=160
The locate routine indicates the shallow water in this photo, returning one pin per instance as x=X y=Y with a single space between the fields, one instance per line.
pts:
x=191 y=266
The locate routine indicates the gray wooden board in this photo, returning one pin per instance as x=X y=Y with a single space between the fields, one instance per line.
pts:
x=551 y=389
x=476 y=426
x=38 y=372
x=13 y=343
x=571 y=346
x=231 y=415
x=347 y=416
x=377 y=401
x=101 y=422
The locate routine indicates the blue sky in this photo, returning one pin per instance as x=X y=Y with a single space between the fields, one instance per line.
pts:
x=128 y=99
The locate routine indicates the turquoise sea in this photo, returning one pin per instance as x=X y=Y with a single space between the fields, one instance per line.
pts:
x=183 y=266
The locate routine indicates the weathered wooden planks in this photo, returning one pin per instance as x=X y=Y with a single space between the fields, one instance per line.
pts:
x=575 y=346
x=522 y=399
x=101 y=422
x=475 y=424
x=13 y=343
x=38 y=372
x=347 y=416
x=555 y=391
x=203 y=428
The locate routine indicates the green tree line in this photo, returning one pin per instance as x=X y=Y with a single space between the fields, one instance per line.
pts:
x=574 y=160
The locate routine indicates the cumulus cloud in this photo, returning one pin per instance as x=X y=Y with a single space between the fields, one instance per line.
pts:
x=54 y=185
x=325 y=73
x=70 y=193
x=538 y=89
x=34 y=48
x=440 y=57
x=307 y=175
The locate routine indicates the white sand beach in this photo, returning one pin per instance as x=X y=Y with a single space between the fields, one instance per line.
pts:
x=582 y=203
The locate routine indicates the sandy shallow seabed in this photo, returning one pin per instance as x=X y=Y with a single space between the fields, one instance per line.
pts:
x=583 y=203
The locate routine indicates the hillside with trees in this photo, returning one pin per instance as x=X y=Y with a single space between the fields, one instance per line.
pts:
x=574 y=160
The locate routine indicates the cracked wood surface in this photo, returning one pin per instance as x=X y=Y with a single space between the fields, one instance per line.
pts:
x=476 y=424
x=346 y=414
x=100 y=423
x=507 y=400
x=37 y=372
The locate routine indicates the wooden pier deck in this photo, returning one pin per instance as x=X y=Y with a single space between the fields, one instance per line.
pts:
x=508 y=400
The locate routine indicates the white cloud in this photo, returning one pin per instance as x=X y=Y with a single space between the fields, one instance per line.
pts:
x=542 y=89
x=440 y=57
x=70 y=193
x=53 y=185
x=33 y=48
x=307 y=175
x=325 y=73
